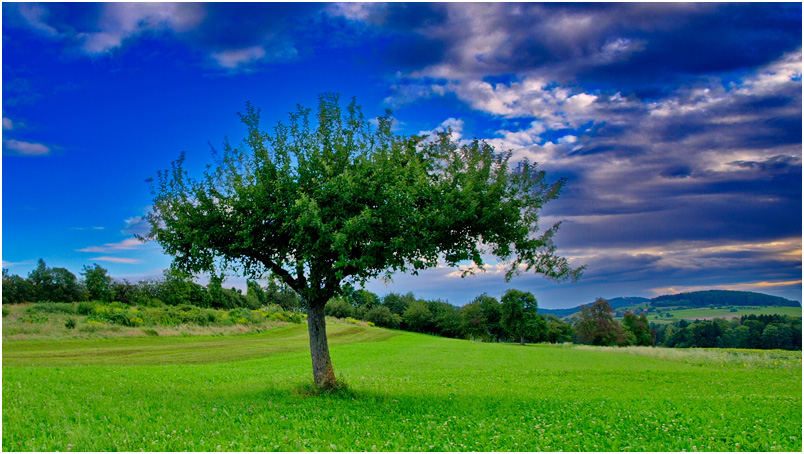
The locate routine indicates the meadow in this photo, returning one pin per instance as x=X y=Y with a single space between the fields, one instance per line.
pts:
x=406 y=392
x=705 y=313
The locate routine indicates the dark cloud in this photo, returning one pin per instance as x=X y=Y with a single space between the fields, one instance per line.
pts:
x=633 y=48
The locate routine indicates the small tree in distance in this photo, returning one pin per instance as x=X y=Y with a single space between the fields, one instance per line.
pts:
x=97 y=282
x=596 y=325
x=519 y=315
x=343 y=202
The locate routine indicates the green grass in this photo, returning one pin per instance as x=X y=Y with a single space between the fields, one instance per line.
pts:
x=707 y=313
x=406 y=392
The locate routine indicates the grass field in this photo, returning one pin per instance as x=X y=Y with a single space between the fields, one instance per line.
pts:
x=706 y=313
x=407 y=392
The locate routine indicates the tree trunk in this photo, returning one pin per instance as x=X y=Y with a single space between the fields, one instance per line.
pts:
x=323 y=374
x=521 y=340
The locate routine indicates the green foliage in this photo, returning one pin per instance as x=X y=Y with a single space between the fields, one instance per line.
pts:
x=85 y=307
x=382 y=316
x=97 y=282
x=596 y=326
x=518 y=316
x=636 y=329
x=557 y=331
x=5 y=311
x=16 y=289
x=417 y=316
x=53 y=284
x=748 y=332
x=70 y=323
x=321 y=205
x=473 y=321
x=338 y=308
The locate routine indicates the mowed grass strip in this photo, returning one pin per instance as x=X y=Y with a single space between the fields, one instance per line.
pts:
x=407 y=392
x=176 y=349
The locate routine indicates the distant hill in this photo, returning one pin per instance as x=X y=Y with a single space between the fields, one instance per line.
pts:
x=703 y=298
x=721 y=298
x=616 y=303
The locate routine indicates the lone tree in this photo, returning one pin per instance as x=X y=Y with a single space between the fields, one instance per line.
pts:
x=321 y=205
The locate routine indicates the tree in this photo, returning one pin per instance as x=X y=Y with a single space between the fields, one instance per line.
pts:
x=447 y=319
x=557 y=331
x=596 y=326
x=16 y=289
x=417 y=316
x=97 y=282
x=344 y=202
x=53 y=284
x=518 y=315
x=492 y=311
x=338 y=308
x=637 y=329
x=382 y=316
x=473 y=321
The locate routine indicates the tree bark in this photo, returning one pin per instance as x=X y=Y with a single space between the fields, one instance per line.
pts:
x=323 y=374
x=521 y=340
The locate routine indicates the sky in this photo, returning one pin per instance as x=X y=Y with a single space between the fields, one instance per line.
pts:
x=677 y=126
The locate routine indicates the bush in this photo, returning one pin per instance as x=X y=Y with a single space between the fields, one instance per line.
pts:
x=241 y=316
x=85 y=307
x=70 y=324
x=5 y=312
x=150 y=332
x=382 y=316
x=338 y=308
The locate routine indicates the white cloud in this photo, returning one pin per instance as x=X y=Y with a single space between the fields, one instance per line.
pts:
x=125 y=245
x=119 y=21
x=26 y=148
x=352 y=10
x=116 y=260
x=137 y=225
x=36 y=16
x=7 y=264
x=456 y=125
x=7 y=124
x=233 y=58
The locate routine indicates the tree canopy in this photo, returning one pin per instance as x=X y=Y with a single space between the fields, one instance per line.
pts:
x=341 y=202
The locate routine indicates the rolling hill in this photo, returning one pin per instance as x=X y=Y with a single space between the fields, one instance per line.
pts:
x=704 y=298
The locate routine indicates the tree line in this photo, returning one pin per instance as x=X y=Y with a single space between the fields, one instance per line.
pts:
x=174 y=288
x=748 y=331
x=512 y=318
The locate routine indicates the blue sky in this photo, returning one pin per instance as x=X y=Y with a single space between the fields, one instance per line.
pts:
x=678 y=126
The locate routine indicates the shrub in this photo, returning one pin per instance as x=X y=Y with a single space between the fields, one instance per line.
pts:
x=5 y=312
x=150 y=332
x=338 y=308
x=119 y=318
x=241 y=315
x=382 y=316
x=85 y=307
x=70 y=324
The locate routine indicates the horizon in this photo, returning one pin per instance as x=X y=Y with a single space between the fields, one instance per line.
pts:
x=677 y=126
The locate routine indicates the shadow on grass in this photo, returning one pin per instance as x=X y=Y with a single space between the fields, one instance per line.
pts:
x=341 y=390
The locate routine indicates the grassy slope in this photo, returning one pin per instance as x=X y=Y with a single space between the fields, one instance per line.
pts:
x=408 y=392
x=707 y=313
